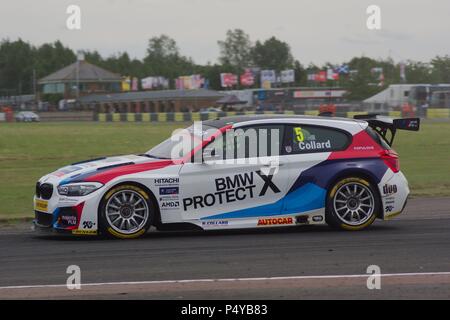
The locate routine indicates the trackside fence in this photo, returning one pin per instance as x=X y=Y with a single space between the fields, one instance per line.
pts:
x=196 y=116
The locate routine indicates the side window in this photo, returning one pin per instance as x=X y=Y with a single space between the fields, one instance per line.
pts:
x=248 y=142
x=311 y=139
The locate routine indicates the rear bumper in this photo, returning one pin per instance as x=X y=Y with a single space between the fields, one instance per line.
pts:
x=395 y=193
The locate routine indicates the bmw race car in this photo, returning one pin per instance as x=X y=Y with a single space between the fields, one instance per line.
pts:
x=235 y=172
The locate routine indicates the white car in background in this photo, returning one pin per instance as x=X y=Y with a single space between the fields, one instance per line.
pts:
x=27 y=116
x=207 y=110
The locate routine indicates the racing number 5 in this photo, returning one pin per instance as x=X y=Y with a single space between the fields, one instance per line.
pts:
x=299 y=134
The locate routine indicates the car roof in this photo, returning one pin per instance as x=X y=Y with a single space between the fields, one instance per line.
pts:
x=280 y=118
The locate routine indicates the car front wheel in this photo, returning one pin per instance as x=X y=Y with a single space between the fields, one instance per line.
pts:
x=352 y=204
x=126 y=212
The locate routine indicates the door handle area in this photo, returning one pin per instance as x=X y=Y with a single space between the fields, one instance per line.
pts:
x=274 y=164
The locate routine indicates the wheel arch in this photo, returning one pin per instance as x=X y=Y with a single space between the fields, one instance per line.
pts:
x=152 y=196
x=358 y=173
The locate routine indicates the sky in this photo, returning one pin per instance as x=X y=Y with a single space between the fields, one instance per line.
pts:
x=318 y=31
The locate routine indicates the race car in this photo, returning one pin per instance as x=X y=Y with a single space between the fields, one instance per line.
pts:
x=233 y=173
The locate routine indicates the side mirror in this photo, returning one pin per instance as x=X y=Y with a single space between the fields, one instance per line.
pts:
x=209 y=154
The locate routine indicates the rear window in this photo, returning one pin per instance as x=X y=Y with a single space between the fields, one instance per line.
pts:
x=378 y=139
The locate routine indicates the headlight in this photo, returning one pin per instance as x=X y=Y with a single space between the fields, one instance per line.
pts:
x=78 y=189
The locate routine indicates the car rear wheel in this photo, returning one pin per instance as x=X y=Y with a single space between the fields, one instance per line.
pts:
x=352 y=204
x=126 y=212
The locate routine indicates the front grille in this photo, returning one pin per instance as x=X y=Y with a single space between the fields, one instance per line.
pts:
x=38 y=190
x=44 y=191
x=43 y=219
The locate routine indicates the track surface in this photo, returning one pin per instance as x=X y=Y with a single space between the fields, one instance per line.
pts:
x=416 y=242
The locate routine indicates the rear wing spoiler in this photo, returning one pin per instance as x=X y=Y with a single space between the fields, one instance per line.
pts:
x=382 y=125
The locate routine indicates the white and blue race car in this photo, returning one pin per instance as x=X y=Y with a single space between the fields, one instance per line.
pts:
x=236 y=172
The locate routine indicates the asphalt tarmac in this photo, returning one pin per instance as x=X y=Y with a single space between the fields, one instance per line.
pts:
x=412 y=252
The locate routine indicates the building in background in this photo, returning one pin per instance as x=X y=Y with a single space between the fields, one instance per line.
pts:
x=391 y=98
x=408 y=98
x=79 y=79
x=152 y=101
x=294 y=98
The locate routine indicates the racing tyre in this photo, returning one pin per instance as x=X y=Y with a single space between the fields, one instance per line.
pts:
x=126 y=212
x=352 y=204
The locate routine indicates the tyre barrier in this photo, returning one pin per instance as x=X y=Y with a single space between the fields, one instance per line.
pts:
x=198 y=116
x=438 y=113
x=172 y=116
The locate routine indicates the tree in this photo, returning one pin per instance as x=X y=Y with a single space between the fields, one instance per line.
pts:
x=94 y=57
x=419 y=72
x=236 y=50
x=272 y=54
x=51 y=57
x=364 y=83
x=16 y=71
x=120 y=63
x=441 y=69
x=301 y=75
x=164 y=59
x=162 y=47
x=212 y=73
x=20 y=62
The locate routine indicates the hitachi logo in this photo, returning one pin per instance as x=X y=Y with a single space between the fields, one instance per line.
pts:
x=167 y=180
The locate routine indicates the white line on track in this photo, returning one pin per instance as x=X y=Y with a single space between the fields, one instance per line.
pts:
x=230 y=280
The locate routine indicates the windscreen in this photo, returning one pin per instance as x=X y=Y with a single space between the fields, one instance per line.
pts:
x=182 y=142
